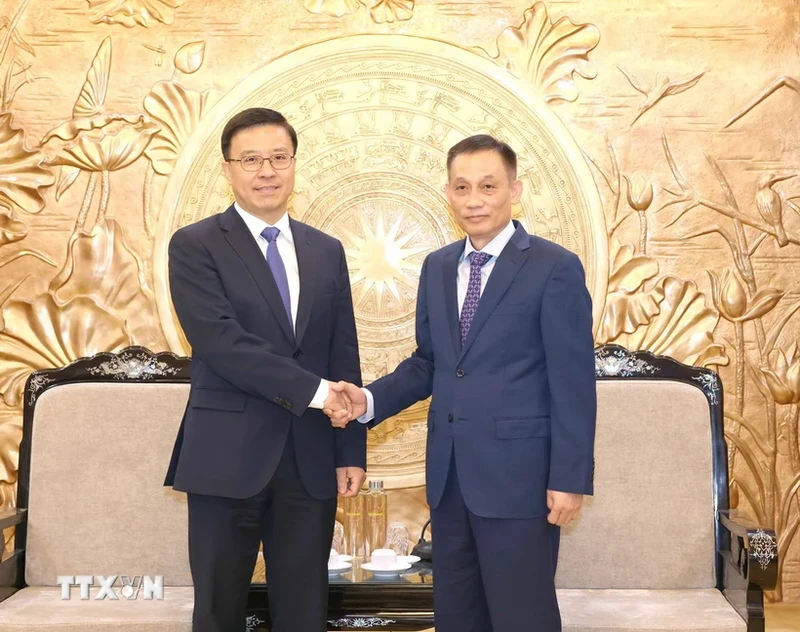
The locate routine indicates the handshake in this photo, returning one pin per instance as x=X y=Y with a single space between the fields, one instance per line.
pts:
x=345 y=403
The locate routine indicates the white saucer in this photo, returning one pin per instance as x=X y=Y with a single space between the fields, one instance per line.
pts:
x=408 y=559
x=345 y=558
x=341 y=566
x=393 y=570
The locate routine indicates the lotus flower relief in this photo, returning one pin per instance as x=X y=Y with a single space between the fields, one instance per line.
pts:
x=10 y=438
x=106 y=142
x=731 y=300
x=11 y=230
x=783 y=376
x=334 y=8
x=178 y=111
x=102 y=266
x=628 y=306
x=783 y=380
x=41 y=334
x=390 y=10
x=671 y=318
x=640 y=193
x=640 y=197
x=22 y=175
x=97 y=141
x=129 y=13
x=683 y=328
x=548 y=53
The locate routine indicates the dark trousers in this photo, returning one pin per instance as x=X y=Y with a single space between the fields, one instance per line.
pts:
x=492 y=574
x=296 y=531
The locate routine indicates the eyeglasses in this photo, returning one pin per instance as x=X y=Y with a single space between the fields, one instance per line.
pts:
x=254 y=163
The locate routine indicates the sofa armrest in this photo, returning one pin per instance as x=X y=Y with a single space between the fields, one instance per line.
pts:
x=12 y=518
x=753 y=549
x=12 y=563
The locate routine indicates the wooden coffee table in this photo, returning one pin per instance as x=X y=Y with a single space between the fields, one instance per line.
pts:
x=361 y=600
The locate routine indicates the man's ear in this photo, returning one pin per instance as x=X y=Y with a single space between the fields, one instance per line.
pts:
x=516 y=191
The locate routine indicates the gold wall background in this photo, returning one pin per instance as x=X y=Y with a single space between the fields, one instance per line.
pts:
x=674 y=132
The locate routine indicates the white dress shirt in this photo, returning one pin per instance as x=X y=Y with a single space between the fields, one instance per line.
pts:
x=493 y=248
x=287 y=251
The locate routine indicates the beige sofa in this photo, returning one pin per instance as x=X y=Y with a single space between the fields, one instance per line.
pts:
x=654 y=550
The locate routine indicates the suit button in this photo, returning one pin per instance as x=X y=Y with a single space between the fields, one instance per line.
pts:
x=450 y=418
x=297 y=354
x=460 y=373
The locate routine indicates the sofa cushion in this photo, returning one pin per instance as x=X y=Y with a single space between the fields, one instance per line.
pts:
x=651 y=521
x=97 y=504
x=648 y=610
x=39 y=608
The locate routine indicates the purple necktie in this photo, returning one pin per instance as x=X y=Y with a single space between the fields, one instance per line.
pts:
x=270 y=233
x=476 y=261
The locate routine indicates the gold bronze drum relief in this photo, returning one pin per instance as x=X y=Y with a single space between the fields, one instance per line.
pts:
x=375 y=116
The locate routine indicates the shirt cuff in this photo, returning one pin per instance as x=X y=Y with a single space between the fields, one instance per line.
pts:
x=321 y=395
x=370 y=414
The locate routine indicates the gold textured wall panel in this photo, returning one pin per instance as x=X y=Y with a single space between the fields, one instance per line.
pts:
x=659 y=141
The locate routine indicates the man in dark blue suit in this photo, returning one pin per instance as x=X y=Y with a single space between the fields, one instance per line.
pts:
x=265 y=303
x=505 y=346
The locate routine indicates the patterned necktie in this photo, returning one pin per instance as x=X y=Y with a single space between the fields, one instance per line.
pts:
x=476 y=261
x=270 y=233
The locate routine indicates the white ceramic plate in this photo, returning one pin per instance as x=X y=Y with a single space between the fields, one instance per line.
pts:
x=393 y=570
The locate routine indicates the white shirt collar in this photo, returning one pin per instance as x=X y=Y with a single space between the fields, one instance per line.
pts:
x=494 y=247
x=256 y=225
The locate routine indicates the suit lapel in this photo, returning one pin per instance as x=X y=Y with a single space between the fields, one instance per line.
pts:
x=505 y=270
x=242 y=242
x=450 y=282
x=307 y=266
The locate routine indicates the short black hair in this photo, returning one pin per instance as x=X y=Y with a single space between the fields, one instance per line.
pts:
x=254 y=117
x=483 y=142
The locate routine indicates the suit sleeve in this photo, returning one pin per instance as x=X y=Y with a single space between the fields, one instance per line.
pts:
x=209 y=322
x=412 y=380
x=345 y=364
x=566 y=321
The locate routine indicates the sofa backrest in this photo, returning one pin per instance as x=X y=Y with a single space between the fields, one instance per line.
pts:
x=96 y=448
x=651 y=522
x=98 y=452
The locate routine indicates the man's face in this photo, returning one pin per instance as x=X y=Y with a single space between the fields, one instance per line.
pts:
x=482 y=190
x=265 y=192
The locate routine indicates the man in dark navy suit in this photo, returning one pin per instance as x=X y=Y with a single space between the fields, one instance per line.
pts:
x=265 y=303
x=505 y=346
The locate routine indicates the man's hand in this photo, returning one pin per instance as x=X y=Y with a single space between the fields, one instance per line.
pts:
x=337 y=406
x=356 y=400
x=349 y=480
x=564 y=507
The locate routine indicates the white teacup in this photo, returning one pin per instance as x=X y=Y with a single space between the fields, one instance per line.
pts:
x=333 y=558
x=384 y=558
